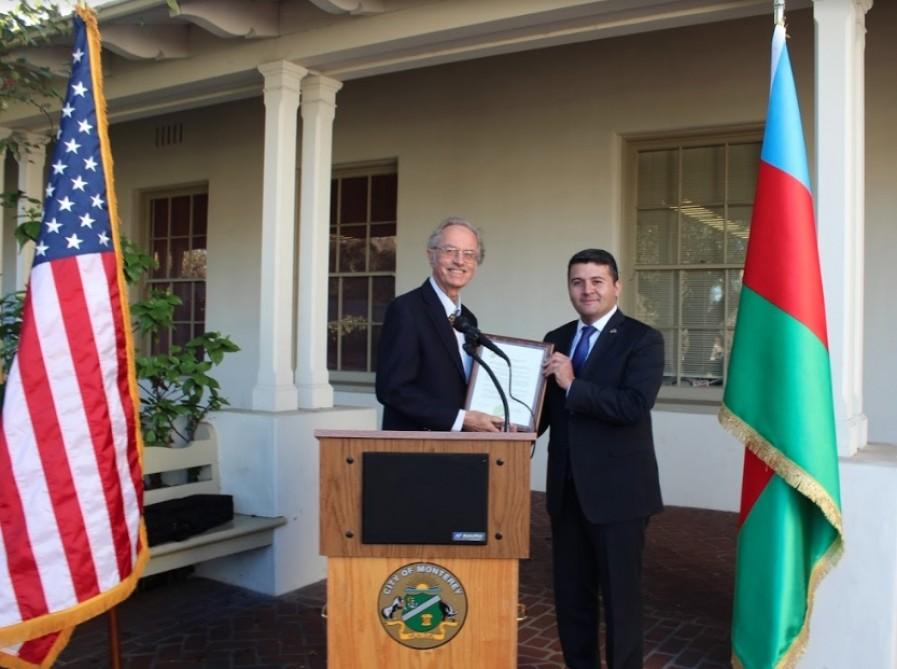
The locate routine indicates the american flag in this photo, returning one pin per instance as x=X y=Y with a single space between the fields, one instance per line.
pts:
x=71 y=539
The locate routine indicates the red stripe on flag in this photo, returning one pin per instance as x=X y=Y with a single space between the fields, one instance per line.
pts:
x=21 y=563
x=86 y=360
x=36 y=650
x=783 y=261
x=57 y=470
x=756 y=475
x=124 y=387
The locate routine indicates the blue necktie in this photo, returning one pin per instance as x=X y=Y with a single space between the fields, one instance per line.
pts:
x=582 y=349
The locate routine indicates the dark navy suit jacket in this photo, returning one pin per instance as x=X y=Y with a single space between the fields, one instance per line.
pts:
x=601 y=429
x=420 y=376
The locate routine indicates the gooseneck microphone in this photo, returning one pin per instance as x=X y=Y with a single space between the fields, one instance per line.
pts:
x=472 y=334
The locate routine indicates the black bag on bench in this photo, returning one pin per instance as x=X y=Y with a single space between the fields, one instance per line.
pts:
x=181 y=518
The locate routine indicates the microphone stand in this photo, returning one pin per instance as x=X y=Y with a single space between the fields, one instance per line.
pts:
x=471 y=349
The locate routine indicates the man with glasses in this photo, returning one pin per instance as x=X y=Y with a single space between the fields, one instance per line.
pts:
x=422 y=369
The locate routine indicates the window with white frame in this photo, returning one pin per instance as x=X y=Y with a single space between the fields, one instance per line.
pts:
x=693 y=200
x=362 y=265
x=177 y=229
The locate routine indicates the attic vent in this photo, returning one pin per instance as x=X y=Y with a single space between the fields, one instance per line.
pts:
x=166 y=135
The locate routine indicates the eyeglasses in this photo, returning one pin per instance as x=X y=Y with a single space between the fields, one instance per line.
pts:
x=451 y=253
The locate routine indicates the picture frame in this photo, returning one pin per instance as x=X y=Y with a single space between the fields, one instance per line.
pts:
x=523 y=376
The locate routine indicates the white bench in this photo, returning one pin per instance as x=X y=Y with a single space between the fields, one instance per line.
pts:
x=243 y=533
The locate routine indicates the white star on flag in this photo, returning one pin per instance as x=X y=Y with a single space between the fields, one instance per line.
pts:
x=50 y=189
x=67 y=110
x=41 y=249
x=90 y=164
x=84 y=126
x=87 y=221
x=53 y=225
x=78 y=183
x=76 y=55
x=65 y=204
x=74 y=242
x=72 y=146
x=104 y=239
x=97 y=201
x=79 y=89
x=59 y=167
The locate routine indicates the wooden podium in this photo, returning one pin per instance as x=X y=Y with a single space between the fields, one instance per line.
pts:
x=415 y=605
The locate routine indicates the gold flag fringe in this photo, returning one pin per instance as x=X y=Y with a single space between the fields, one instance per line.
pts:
x=787 y=469
x=799 y=479
x=63 y=621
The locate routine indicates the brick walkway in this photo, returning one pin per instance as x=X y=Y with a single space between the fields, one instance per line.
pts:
x=176 y=622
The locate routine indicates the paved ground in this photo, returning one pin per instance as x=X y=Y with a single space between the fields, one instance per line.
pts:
x=177 y=621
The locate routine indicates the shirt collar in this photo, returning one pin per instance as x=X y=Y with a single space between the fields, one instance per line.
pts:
x=447 y=303
x=601 y=323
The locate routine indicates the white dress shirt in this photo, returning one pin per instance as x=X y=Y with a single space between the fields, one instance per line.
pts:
x=452 y=308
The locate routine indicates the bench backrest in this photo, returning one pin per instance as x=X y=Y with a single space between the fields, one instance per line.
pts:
x=202 y=452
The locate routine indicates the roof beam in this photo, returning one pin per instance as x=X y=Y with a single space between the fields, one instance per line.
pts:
x=350 y=6
x=233 y=18
x=146 y=42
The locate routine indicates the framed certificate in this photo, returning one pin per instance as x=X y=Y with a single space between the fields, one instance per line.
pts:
x=522 y=381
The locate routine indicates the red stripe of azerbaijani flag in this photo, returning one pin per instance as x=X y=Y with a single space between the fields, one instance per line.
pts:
x=778 y=401
x=72 y=542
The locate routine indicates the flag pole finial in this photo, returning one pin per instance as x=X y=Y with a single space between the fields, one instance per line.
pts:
x=778 y=12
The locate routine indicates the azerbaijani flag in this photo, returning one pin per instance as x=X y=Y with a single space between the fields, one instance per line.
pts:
x=778 y=401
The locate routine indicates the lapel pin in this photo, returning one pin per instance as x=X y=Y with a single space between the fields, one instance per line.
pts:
x=614 y=331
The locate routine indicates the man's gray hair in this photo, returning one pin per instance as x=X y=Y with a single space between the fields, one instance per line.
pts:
x=435 y=240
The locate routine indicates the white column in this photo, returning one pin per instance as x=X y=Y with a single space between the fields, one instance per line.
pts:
x=840 y=188
x=274 y=389
x=318 y=110
x=33 y=155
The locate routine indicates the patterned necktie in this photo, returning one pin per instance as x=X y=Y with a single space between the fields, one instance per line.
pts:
x=582 y=349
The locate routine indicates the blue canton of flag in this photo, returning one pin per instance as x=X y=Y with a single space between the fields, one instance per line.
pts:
x=76 y=216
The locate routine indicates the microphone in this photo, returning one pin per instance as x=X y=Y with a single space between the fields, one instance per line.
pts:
x=472 y=334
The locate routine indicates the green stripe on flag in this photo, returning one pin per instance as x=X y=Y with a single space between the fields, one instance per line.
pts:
x=782 y=543
x=787 y=400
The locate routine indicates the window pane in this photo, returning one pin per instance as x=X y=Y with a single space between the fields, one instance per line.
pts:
x=352 y=248
x=180 y=257
x=670 y=358
x=159 y=217
x=733 y=286
x=355 y=297
x=375 y=344
x=703 y=175
x=738 y=227
x=354 y=200
x=180 y=334
x=702 y=357
x=354 y=349
x=199 y=301
x=334 y=245
x=656 y=237
x=657 y=298
x=384 y=289
x=183 y=291
x=160 y=256
x=383 y=197
x=383 y=247
x=180 y=216
x=702 y=235
x=744 y=161
x=200 y=213
x=702 y=299
x=332 y=321
x=657 y=178
x=334 y=193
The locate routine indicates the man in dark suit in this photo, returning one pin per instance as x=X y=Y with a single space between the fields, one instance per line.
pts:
x=602 y=473
x=422 y=370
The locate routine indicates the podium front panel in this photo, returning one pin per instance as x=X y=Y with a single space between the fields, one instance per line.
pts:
x=341 y=512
